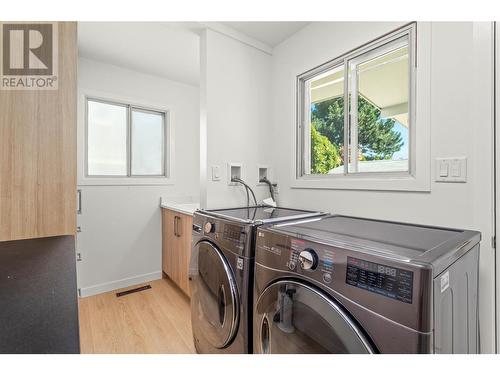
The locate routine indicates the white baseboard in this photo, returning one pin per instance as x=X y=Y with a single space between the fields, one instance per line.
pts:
x=118 y=284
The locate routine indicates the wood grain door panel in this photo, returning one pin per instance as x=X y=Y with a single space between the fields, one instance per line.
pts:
x=169 y=242
x=176 y=245
x=184 y=250
x=38 y=152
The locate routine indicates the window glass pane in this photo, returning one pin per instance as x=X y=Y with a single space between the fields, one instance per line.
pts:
x=326 y=118
x=147 y=143
x=379 y=126
x=107 y=139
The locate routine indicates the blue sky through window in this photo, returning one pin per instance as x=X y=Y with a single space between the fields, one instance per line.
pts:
x=403 y=153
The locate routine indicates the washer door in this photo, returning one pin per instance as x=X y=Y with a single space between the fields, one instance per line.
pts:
x=291 y=317
x=214 y=297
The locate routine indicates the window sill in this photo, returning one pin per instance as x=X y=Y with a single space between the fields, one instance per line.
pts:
x=363 y=182
x=129 y=181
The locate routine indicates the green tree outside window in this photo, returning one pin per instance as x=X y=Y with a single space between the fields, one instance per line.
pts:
x=378 y=140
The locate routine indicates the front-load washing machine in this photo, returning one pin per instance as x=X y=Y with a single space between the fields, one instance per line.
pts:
x=221 y=274
x=350 y=285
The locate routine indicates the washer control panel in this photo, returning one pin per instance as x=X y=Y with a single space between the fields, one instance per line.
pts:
x=232 y=236
x=232 y=233
x=209 y=227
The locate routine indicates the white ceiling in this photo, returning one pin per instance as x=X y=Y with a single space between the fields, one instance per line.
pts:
x=270 y=33
x=168 y=51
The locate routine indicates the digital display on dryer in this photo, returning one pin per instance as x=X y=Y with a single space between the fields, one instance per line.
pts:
x=232 y=232
x=388 y=281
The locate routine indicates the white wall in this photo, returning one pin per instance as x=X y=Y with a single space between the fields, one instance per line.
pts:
x=461 y=125
x=120 y=240
x=236 y=95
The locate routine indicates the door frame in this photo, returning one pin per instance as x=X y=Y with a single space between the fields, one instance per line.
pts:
x=496 y=161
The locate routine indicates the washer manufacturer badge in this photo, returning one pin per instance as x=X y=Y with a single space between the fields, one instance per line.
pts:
x=445 y=281
x=239 y=263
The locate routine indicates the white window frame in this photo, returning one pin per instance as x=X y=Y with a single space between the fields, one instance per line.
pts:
x=418 y=176
x=84 y=179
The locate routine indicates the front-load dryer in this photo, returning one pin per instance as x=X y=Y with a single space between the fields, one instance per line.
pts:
x=351 y=285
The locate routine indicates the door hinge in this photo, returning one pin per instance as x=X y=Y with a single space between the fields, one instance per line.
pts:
x=78 y=257
x=79 y=292
x=494 y=242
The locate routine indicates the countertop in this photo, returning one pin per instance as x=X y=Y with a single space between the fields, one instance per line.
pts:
x=183 y=208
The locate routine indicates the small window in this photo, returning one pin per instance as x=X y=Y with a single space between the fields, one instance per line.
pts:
x=355 y=111
x=147 y=143
x=107 y=139
x=125 y=141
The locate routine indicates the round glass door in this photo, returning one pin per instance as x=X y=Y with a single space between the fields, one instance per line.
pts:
x=214 y=298
x=292 y=317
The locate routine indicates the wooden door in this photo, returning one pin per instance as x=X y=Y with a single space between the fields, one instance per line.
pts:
x=183 y=250
x=38 y=152
x=176 y=247
x=168 y=242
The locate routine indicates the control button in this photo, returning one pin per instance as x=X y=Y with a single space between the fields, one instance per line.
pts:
x=327 y=278
x=443 y=170
x=292 y=265
x=209 y=227
x=308 y=259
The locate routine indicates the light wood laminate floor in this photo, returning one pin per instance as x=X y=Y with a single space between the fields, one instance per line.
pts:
x=156 y=320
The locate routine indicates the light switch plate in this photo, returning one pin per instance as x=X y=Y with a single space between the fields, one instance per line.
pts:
x=451 y=169
x=443 y=169
x=215 y=173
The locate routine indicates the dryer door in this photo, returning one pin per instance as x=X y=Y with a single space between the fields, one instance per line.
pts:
x=291 y=317
x=214 y=296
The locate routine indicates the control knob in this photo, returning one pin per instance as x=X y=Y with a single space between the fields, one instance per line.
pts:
x=209 y=227
x=308 y=259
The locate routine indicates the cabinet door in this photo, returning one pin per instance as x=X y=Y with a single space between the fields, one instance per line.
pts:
x=168 y=242
x=176 y=245
x=183 y=249
x=38 y=152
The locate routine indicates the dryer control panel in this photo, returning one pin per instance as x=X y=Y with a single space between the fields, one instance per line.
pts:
x=336 y=267
x=381 y=279
x=351 y=273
